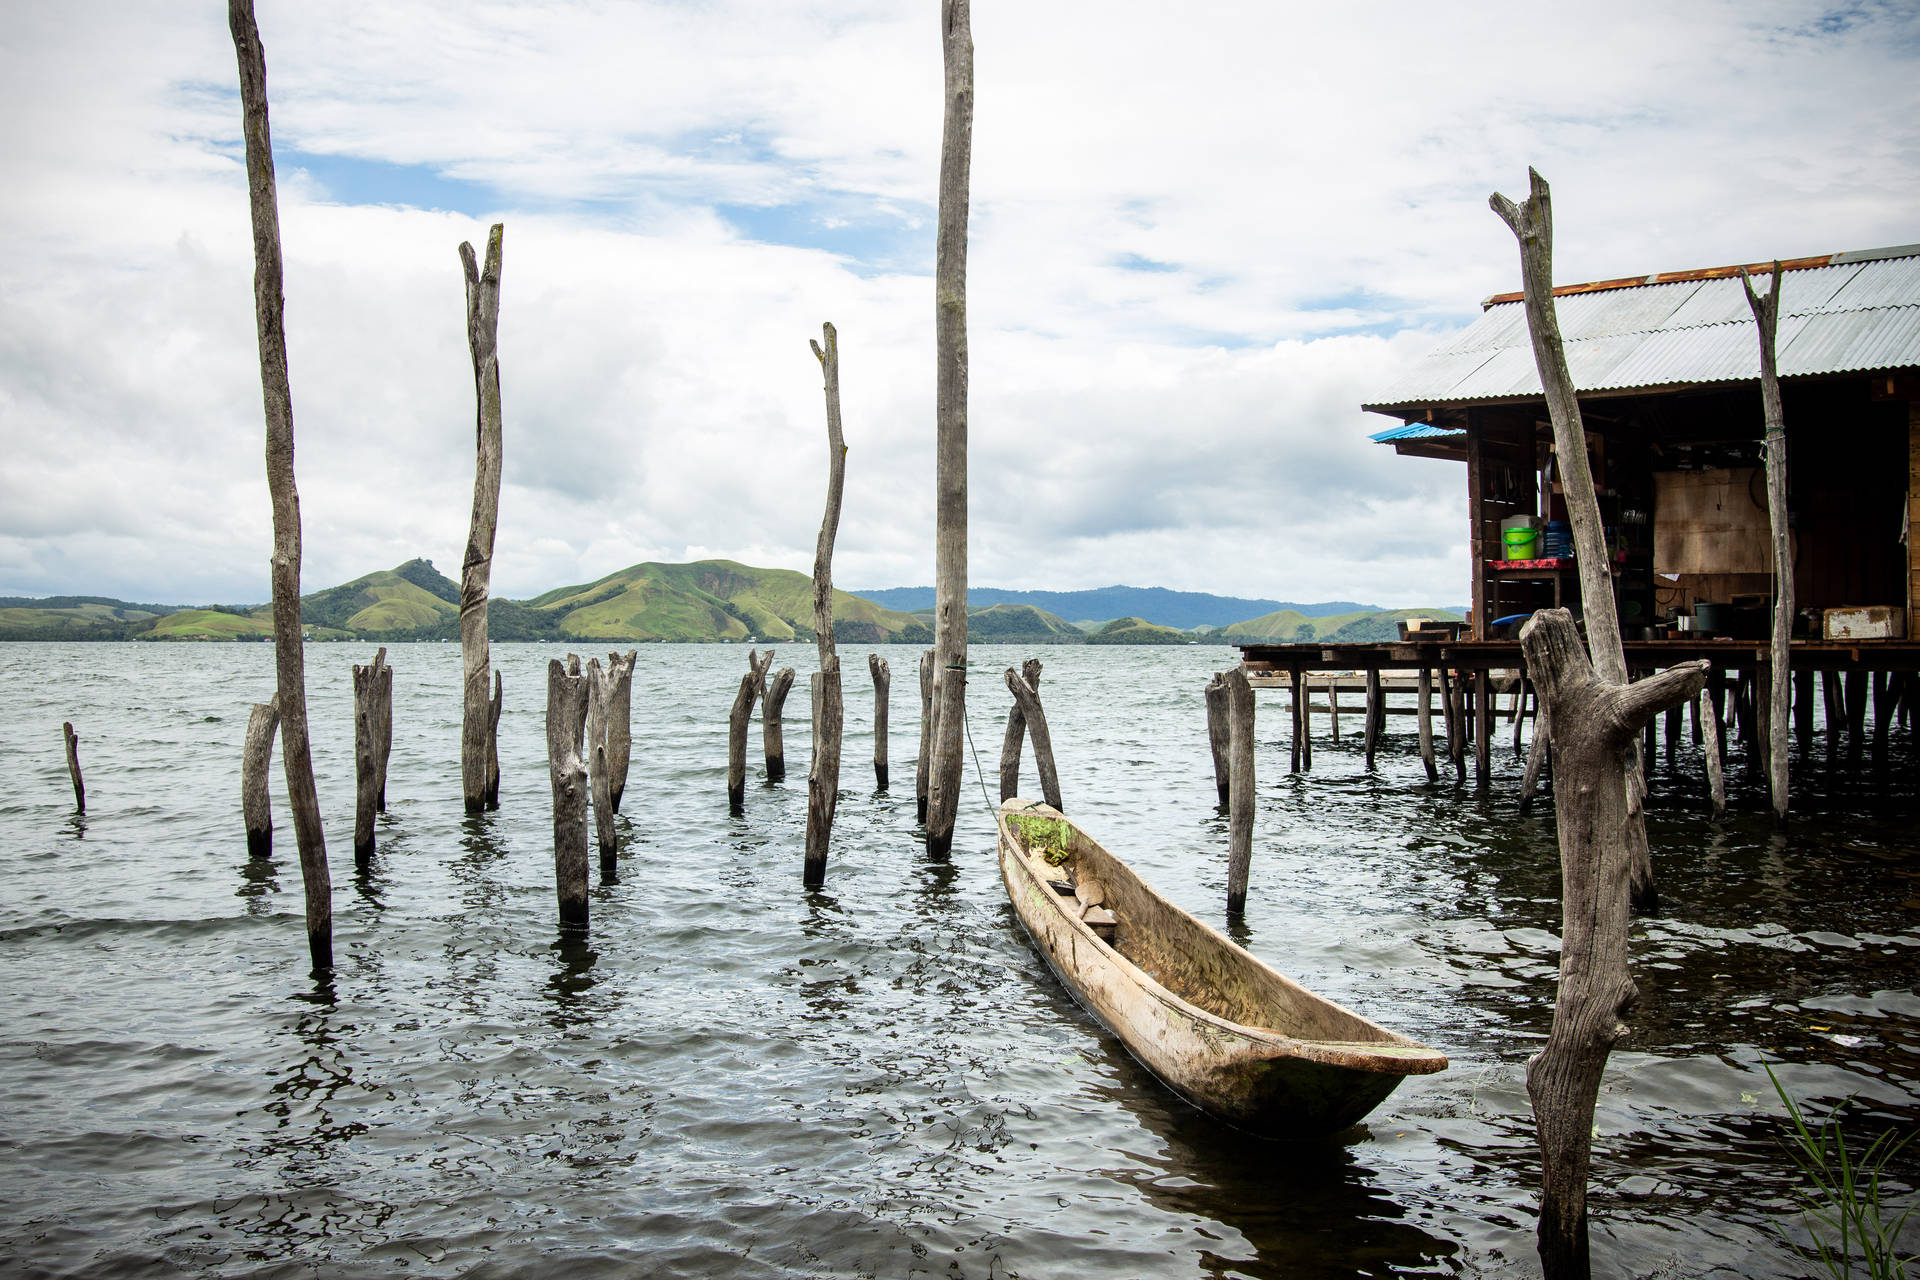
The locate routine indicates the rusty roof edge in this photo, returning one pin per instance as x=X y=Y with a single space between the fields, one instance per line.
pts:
x=1716 y=273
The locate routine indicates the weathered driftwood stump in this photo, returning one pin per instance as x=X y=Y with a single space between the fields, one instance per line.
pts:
x=1028 y=699
x=269 y=307
x=366 y=768
x=491 y=799
x=772 y=732
x=823 y=776
x=924 y=764
x=737 y=745
x=599 y=774
x=1016 y=734
x=566 y=728
x=1217 y=697
x=73 y=765
x=255 y=758
x=1594 y=724
x=950 y=428
x=476 y=565
x=882 y=684
x=1239 y=787
x=619 y=722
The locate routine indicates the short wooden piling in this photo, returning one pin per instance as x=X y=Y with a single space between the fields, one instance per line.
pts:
x=1333 y=705
x=1483 y=730
x=882 y=685
x=1425 y=714
x=1016 y=733
x=1450 y=705
x=771 y=730
x=1716 y=779
x=599 y=766
x=1297 y=719
x=737 y=745
x=1375 y=714
x=1036 y=717
x=365 y=774
x=566 y=729
x=924 y=764
x=382 y=727
x=619 y=723
x=1216 y=698
x=73 y=765
x=1240 y=788
x=255 y=757
x=1803 y=710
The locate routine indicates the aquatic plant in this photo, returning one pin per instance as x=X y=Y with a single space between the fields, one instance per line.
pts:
x=1051 y=838
x=1840 y=1197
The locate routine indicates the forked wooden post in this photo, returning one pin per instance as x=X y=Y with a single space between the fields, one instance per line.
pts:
x=737 y=745
x=73 y=765
x=566 y=729
x=1036 y=717
x=296 y=753
x=1217 y=731
x=882 y=685
x=772 y=729
x=1595 y=722
x=1016 y=734
x=1240 y=787
x=619 y=722
x=256 y=756
x=476 y=565
x=599 y=766
x=923 y=766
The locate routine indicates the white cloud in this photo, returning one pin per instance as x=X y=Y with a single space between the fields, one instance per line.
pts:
x=1198 y=245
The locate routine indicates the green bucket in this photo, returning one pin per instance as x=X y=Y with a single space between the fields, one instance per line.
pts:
x=1520 y=543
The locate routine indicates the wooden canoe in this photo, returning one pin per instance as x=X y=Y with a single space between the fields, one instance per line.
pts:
x=1211 y=1021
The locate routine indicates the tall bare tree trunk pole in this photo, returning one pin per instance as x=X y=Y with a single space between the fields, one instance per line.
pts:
x=476 y=568
x=950 y=339
x=255 y=757
x=1532 y=225
x=1594 y=723
x=289 y=656
x=1766 y=316
x=882 y=683
x=823 y=779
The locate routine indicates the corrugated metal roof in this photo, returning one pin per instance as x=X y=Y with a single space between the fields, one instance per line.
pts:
x=1415 y=431
x=1860 y=314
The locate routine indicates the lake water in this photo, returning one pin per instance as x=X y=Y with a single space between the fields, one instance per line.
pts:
x=733 y=1076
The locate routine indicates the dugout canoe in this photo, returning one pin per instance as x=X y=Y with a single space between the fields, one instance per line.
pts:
x=1212 y=1022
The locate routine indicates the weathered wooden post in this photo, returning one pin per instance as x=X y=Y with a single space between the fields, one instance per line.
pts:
x=382 y=727
x=1803 y=710
x=1425 y=717
x=923 y=769
x=1450 y=712
x=737 y=745
x=1710 y=745
x=1376 y=714
x=366 y=769
x=1028 y=699
x=1217 y=731
x=829 y=717
x=493 y=742
x=1595 y=722
x=1766 y=317
x=1333 y=705
x=772 y=731
x=1296 y=720
x=1016 y=734
x=255 y=757
x=476 y=565
x=567 y=693
x=950 y=444
x=289 y=658
x=619 y=722
x=1240 y=787
x=73 y=765
x=760 y=663
x=882 y=685
x=600 y=766
x=1482 y=729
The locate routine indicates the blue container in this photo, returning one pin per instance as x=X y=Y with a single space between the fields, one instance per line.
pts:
x=1556 y=540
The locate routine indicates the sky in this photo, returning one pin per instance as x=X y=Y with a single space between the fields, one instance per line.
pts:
x=1201 y=236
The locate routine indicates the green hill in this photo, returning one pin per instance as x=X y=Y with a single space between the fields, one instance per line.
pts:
x=1289 y=626
x=1138 y=631
x=76 y=618
x=1013 y=624
x=212 y=624
x=388 y=603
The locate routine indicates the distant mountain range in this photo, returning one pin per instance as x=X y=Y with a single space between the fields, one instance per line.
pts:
x=1181 y=610
x=708 y=600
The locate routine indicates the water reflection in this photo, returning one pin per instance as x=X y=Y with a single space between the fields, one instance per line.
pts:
x=259 y=881
x=76 y=826
x=571 y=983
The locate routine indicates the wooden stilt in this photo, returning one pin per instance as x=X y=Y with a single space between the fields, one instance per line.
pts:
x=1450 y=703
x=1425 y=715
x=1293 y=684
x=619 y=722
x=1673 y=730
x=1856 y=687
x=566 y=729
x=255 y=757
x=1333 y=704
x=382 y=727
x=365 y=679
x=1306 y=728
x=1482 y=730
x=924 y=763
x=1693 y=716
x=1882 y=714
x=1803 y=710
x=1240 y=801
x=599 y=766
x=1374 y=716
x=1716 y=780
x=1217 y=697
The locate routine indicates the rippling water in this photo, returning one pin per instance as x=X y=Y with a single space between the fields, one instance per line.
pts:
x=733 y=1076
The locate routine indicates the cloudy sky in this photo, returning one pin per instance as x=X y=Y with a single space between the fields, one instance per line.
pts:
x=1202 y=234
